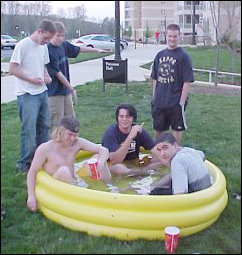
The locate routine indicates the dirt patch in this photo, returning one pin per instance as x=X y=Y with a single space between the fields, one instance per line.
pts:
x=224 y=91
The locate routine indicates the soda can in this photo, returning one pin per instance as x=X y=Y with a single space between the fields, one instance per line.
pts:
x=92 y=163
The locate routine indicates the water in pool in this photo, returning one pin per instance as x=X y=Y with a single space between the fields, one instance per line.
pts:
x=127 y=185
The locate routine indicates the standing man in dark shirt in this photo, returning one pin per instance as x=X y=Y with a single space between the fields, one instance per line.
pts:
x=124 y=140
x=172 y=76
x=61 y=93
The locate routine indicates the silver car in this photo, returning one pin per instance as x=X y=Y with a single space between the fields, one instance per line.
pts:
x=8 y=41
x=101 y=41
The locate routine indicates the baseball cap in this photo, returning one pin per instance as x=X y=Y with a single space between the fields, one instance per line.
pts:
x=71 y=123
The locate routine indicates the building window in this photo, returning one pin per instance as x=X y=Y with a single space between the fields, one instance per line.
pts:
x=126 y=24
x=163 y=23
x=190 y=2
x=163 y=2
x=127 y=14
x=196 y=19
x=180 y=19
x=188 y=19
x=163 y=12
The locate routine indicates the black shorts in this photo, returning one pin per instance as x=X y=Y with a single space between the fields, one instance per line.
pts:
x=161 y=191
x=173 y=117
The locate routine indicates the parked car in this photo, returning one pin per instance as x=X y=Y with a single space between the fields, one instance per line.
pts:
x=8 y=41
x=122 y=41
x=101 y=41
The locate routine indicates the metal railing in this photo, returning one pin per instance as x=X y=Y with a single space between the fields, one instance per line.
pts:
x=210 y=80
x=210 y=76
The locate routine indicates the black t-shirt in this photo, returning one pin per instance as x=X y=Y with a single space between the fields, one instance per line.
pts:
x=171 y=68
x=59 y=62
x=113 y=138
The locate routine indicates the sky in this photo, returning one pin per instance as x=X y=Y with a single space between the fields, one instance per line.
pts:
x=94 y=9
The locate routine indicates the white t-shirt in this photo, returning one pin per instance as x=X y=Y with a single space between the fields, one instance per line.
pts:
x=32 y=59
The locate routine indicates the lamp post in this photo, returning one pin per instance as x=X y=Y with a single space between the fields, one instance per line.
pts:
x=193 y=23
x=117 y=31
x=165 y=29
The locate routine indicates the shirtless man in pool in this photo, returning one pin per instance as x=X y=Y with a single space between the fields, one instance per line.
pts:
x=57 y=156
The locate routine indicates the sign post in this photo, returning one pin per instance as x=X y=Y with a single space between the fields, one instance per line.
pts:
x=116 y=71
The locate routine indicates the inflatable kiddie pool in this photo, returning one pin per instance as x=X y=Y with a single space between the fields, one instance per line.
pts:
x=129 y=217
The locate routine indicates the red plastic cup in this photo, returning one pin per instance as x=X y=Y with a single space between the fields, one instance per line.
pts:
x=92 y=163
x=171 y=238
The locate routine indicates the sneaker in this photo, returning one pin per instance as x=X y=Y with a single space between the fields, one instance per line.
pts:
x=2 y=213
x=237 y=195
x=22 y=168
x=112 y=189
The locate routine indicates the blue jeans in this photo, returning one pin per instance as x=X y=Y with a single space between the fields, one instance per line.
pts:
x=35 y=124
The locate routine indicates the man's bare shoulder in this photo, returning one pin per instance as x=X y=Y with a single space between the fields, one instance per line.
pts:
x=45 y=147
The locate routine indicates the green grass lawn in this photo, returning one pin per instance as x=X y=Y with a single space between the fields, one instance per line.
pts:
x=88 y=56
x=5 y=59
x=214 y=126
x=205 y=57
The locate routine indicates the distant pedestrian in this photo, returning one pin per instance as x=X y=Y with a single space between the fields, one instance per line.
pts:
x=172 y=76
x=61 y=93
x=157 y=37
x=28 y=65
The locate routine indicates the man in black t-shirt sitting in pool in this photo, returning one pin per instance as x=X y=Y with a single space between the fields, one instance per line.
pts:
x=124 y=140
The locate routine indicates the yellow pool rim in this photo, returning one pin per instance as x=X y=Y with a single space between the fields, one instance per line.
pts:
x=130 y=217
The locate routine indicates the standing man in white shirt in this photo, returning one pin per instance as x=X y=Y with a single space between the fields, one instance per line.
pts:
x=28 y=65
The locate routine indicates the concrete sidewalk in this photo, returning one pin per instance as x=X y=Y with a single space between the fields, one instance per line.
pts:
x=91 y=70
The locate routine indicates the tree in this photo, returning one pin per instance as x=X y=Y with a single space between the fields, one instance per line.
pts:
x=12 y=7
x=215 y=12
x=3 y=7
x=231 y=36
x=79 y=12
x=128 y=32
x=232 y=9
x=108 y=26
x=61 y=12
x=45 y=8
x=148 y=33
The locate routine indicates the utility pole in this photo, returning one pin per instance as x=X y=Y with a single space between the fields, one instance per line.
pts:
x=117 y=31
x=193 y=23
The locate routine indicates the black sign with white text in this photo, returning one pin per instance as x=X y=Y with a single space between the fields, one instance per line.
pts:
x=115 y=71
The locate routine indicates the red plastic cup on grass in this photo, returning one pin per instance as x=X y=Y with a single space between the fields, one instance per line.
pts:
x=171 y=238
x=92 y=163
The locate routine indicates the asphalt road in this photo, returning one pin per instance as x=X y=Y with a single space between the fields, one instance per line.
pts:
x=6 y=52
